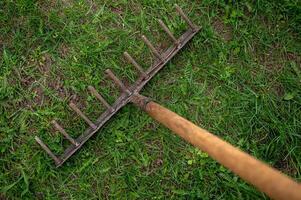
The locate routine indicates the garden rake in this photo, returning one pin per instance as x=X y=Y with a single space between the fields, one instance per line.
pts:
x=265 y=178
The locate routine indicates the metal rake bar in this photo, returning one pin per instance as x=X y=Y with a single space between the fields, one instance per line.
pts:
x=127 y=93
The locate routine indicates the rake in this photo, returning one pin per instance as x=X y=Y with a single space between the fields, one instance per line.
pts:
x=265 y=178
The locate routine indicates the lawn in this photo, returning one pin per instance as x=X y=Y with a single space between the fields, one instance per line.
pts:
x=239 y=78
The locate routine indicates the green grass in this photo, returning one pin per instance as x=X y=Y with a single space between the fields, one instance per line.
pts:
x=240 y=78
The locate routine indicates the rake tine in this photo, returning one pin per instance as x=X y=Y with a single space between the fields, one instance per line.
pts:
x=64 y=133
x=187 y=20
x=82 y=115
x=169 y=33
x=117 y=81
x=133 y=62
x=153 y=49
x=100 y=98
x=48 y=151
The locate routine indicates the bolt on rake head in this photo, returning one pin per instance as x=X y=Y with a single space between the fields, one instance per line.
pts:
x=127 y=93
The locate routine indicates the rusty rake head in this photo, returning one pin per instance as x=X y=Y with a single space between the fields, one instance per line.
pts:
x=126 y=92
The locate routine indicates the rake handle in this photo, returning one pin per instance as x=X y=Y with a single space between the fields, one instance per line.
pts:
x=267 y=179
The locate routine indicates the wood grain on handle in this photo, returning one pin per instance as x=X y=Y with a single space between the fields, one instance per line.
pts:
x=267 y=179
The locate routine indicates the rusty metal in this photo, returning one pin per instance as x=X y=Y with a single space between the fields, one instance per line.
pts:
x=56 y=159
x=169 y=33
x=82 y=115
x=186 y=19
x=100 y=98
x=127 y=93
x=134 y=63
x=117 y=81
x=64 y=133
x=152 y=48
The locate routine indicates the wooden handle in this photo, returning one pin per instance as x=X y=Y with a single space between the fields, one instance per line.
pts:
x=267 y=179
